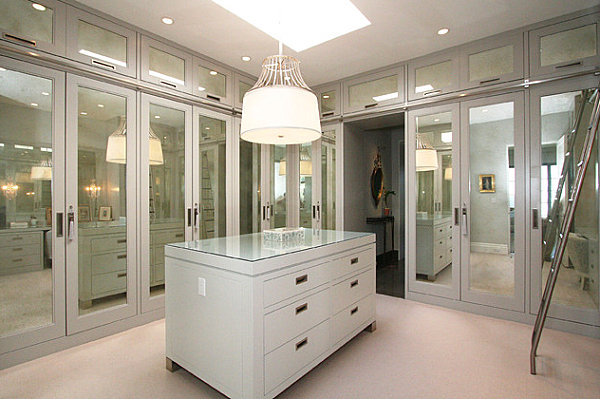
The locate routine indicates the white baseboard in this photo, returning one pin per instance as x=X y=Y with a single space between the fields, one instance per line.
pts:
x=489 y=248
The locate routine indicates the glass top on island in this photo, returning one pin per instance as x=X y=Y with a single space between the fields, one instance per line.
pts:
x=253 y=247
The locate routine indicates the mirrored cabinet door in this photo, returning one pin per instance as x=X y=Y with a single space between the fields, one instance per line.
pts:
x=433 y=252
x=210 y=168
x=250 y=185
x=374 y=90
x=433 y=75
x=309 y=192
x=493 y=201
x=492 y=61
x=327 y=203
x=100 y=43
x=213 y=82
x=566 y=47
x=166 y=159
x=556 y=110
x=101 y=203
x=36 y=24
x=242 y=85
x=32 y=264
x=329 y=100
x=166 y=66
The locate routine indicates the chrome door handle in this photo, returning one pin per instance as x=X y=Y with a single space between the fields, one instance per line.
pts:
x=535 y=219
x=71 y=224
x=465 y=220
x=196 y=213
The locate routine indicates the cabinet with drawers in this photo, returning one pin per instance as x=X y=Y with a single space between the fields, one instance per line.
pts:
x=250 y=321
x=434 y=235
x=22 y=251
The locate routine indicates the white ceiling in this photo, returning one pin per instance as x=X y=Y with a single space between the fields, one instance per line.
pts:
x=399 y=30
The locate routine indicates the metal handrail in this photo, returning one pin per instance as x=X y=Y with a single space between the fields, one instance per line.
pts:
x=563 y=235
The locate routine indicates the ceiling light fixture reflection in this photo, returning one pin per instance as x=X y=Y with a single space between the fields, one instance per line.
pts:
x=246 y=58
x=116 y=146
x=201 y=88
x=436 y=120
x=167 y=20
x=100 y=105
x=446 y=137
x=166 y=77
x=325 y=96
x=34 y=104
x=38 y=6
x=385 y=97
x=443 y=31
x=425 y=155
x=2 y=69
x=156 y=116
x=83 y=113
x=102 y=57
x=213 y=73
x=45 y=93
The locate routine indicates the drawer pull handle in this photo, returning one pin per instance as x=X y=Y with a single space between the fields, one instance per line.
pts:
x=489 y=81
x=324 y=114
x=179 y=235
x=17 y=238
x=354 y=283
x=213 y=97
x=103 y=65
x=18 y=260
x=354 y=261
x=431 y=92
x=17 y=249
x=302 y=279
x=568 y=65
x=371 y=105
x=302 y=308
x=122 y=256
x=162 y=82
x=18 y=39
x=354 y=311
x=301 y=343
x=123 y=241
x=441 y=256
x=122 y=274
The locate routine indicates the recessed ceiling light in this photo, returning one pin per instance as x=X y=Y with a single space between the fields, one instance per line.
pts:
x=325 y=96
x=83 y=113
x=167 y=20
x=213 y=73
x=45 y=93
x=339 y=17
x=246 y=58
x=156 y=116
x=34 y=104
x=38 y=7
x=443 y=31
x=100 y=105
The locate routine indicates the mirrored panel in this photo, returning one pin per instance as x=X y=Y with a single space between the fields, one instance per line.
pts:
x=328 y=101
x=212 y=177
x=328 y=180
x=212 y=82
x=492 y=199
x=489 y=63
x=101 y=197
x=26 y=188
x=165 y=66
x=243 y=88
x=166 y=205
x=250 y=188
x=373 y=91
x=577 y=284
x=278 y=186
x=102 y=44
x=27 y=19
x=569 y=45
x=434 y=77
x=434 y=198
x=306 y=185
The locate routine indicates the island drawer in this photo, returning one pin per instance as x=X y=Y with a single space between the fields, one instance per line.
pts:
x=290 y=358
x=349 y=319
x=287 y=286
x=352 y=263
x=284 y=324
x=352 y=290
x=20 y=239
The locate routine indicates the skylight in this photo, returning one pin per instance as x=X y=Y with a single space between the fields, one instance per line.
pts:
x=299 y=24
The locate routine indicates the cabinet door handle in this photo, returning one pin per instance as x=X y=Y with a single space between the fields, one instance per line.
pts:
x=103 y=65
x=354 y=283
x=122 y=256
x=122 y=241
x=568 y=65
x=59 y=224
x=465 y=220
x=431 y=92
x=371 y=105
x=324 y=114
x=314 y=211
x=71 y=225
x=302 y=279
x=489 y=81
x=189 y=215
x=171 y=85
x=354 y=311
x=354 y=261
x=18 y=39
x=456 y=216
x=302 y=343
x=318 y=212
x=302 y=308
x=535 y=216
x=122 y=274
x=196 y=216
x=213 y=97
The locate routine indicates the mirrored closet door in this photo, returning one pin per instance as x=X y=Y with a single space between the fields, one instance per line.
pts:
x=250 y=184
x=492 y=229
x=556 y=110
x=101 y=147
x=433 y=186
x=166 y=206
x=32 y=265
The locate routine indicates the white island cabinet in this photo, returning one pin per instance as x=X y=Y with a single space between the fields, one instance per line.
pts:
x=250 y=317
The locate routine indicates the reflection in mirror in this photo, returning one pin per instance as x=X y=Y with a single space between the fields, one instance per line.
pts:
x=102 y=202
x=166 y=189
x=250 y=194
x=377 y=179
x=278 y=186
x=328 y=180
x=306 y=185
x=26 y=288
x=577 y=284
x=434 y=198
x=20 y=18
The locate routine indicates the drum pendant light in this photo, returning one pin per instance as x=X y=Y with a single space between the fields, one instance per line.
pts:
x=426 y=155
x=280 y=108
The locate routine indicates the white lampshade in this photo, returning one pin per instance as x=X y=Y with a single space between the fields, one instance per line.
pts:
x=41 y=173
x=116 y=148
x=448 y=174
x=155 y=148
x=280 y=115
x=426 y=159
x=305 y=168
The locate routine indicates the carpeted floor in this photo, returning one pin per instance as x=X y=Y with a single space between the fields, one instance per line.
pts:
x=418 y=352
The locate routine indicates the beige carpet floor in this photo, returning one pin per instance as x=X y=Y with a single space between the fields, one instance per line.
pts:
x=418 y=351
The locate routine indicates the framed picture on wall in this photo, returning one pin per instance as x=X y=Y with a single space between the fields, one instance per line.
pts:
x=487 y=183
x=83 y=213
x=105 y=213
